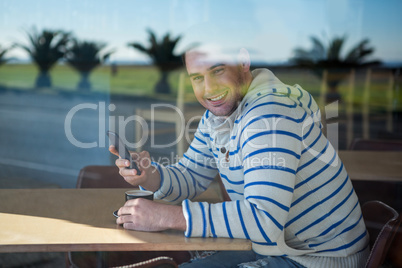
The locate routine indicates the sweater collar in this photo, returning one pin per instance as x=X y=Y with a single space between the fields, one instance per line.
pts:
x=263 y=79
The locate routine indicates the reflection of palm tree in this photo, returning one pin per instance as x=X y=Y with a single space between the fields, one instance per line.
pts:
x=84 y=57
x=3 y=52
x=45 y=50
x=162 y=56
x=321 y=57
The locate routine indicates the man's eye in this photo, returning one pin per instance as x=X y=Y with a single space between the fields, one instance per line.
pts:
x=195 y=78
x=218 y=71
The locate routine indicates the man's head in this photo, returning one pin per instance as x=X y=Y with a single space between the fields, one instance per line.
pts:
x=219 y=81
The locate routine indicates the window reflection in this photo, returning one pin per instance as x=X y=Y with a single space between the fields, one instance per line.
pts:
x=103 y=61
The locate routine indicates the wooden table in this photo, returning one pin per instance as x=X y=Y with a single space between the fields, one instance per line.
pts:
x=34 y=220
x=373 y=165
x=54 y=220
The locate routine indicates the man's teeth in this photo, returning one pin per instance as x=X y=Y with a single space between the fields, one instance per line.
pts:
x=219 y=97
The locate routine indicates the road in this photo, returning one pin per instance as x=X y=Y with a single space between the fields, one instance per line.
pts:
x=37 y=143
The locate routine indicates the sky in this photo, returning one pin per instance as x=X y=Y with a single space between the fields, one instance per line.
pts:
x=269 y=29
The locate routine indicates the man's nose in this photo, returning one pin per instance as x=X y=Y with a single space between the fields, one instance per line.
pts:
x=209 y=84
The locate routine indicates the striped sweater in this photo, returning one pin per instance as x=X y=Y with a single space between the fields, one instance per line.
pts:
x=290 y=193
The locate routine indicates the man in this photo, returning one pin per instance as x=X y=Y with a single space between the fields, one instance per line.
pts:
x=290 y=193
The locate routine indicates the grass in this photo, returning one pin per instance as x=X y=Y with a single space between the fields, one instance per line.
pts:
x=140 y=81
x=130 y=80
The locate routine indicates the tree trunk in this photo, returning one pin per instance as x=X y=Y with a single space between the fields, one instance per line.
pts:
x=43 y=80
x=84 y=84
x=336 y=76
x=163 y=86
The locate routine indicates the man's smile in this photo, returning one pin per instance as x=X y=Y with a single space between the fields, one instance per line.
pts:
x=218 y=98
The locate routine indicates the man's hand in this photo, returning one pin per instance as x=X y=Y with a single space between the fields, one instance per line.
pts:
x=145 y=215
x=149 y=178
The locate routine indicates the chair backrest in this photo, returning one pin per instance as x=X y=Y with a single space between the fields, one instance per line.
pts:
x=101 y=177
x=376 y=145
x=382 y=223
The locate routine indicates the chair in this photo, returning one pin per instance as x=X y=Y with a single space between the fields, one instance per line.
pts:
x=382 y=223
x=376 y=145
x=388 y=192
x=101 y=177
x=176 y=115
x=109 y=177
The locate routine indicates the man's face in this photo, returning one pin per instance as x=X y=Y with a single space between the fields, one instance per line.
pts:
x=219 y=86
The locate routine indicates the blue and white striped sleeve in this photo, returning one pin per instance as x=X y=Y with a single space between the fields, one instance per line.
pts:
x=270 y=147
x=191 y=175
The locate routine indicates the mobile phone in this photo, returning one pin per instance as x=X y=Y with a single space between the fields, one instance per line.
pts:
x=122 y=149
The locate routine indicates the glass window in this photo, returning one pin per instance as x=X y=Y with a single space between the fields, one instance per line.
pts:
x=71 y=70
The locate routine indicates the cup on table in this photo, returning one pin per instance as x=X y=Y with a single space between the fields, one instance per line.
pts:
x=133 y=194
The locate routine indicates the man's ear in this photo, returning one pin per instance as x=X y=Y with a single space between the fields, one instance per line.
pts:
x=244 y=59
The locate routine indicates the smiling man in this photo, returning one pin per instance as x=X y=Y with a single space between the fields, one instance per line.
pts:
x=218 y=83
x=289 y=192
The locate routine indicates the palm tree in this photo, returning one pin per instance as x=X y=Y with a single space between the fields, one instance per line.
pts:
x=46 y=49
x=163 y=57
x=85 y=56
x=321 y=57
x=3 y=52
